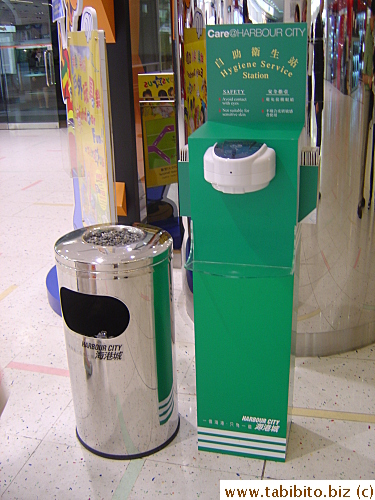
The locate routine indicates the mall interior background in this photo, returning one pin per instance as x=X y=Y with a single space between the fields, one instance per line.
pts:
x=333 y=423
x=29 y=52
x=29 y=69
x=30 y=97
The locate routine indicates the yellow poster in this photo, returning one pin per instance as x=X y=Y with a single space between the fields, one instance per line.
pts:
x=156 y=96
x=90 y=110
x=195 y=102
x=156 y=86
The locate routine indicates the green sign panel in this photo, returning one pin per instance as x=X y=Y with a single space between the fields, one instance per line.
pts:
x=256 y=73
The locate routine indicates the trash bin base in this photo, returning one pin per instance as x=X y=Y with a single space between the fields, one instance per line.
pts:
x=131 y=457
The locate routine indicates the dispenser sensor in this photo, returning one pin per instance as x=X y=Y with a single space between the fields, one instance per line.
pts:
x=239 y=166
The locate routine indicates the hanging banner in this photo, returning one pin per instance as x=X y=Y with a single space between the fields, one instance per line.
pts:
x=195 y=106
x=257 y=73
x=156 y=97
x=57 y=10
x=92 y=126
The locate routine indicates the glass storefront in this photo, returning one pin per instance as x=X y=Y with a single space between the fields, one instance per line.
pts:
x=27 y=62
x=151 y=42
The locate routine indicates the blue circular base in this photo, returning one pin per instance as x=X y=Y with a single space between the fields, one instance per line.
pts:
x=53 y=291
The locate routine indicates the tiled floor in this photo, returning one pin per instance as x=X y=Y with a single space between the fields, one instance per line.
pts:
x=333 y=430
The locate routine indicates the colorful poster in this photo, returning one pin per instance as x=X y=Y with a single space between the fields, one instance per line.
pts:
x=156 y=96
x=92 y=131
x=195 y=104
x=257 y=73
x=71 y=11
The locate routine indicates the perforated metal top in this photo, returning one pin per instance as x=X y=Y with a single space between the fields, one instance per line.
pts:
x=113 y=249
x=114 y=236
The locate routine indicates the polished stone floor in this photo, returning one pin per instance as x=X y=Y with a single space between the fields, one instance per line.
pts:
x=333 y=430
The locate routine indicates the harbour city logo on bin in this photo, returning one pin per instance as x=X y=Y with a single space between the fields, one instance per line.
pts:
x=105 y=352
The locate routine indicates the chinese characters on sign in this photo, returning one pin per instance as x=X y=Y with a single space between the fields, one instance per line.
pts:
x=257 y=424
x=257 y=74
x=237 y=104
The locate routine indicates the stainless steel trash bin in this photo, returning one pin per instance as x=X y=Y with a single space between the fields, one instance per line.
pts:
x=115 y=286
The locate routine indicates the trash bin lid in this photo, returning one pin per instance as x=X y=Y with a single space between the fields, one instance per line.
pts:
x=113 y=248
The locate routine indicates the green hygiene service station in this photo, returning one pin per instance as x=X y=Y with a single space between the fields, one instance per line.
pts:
x=241 y=188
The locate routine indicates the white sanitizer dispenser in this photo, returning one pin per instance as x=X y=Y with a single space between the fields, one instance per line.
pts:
x=238 y=167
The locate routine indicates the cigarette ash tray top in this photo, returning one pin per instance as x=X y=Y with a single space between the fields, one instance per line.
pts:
x=115 y=285
x=113 y=248
x=239 y=166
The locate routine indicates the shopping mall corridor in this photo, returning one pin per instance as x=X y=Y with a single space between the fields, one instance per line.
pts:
x=333 y=431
